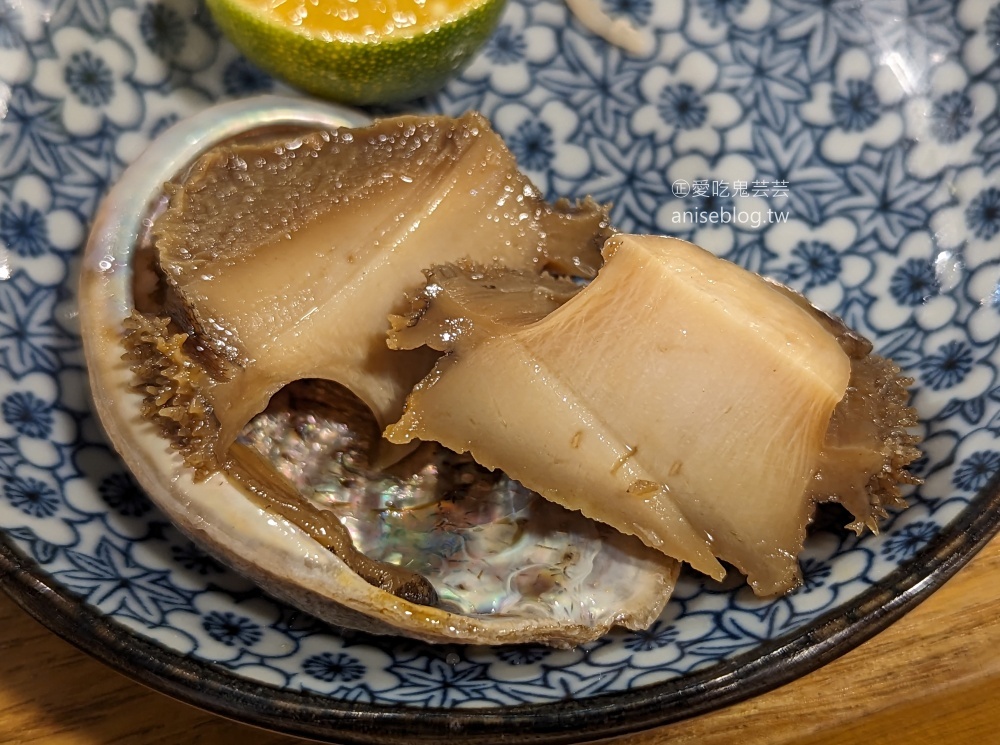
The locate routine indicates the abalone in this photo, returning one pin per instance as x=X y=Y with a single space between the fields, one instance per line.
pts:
x=277 y=284
x=236 y=366
x=678 y=398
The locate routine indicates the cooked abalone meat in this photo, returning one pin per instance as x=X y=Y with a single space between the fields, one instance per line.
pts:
x=678 y=398
x=282 y=257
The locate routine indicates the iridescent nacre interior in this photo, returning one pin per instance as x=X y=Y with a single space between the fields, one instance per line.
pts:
x=487 y=545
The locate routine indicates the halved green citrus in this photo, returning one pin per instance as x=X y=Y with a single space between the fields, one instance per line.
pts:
x=359 y=51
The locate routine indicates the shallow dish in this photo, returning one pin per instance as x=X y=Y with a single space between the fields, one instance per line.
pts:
x=867 y=141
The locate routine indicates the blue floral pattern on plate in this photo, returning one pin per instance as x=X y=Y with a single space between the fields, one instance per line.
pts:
x=854 y=146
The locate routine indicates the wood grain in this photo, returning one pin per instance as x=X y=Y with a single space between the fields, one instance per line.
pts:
x=933 y=678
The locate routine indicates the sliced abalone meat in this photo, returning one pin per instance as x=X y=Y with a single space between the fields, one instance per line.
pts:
x=678 y=398
x=284 y=256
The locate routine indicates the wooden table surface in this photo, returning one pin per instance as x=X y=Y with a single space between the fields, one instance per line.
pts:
x=932 y=678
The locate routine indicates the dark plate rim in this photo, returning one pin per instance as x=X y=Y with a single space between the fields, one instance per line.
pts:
x=314 y=716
